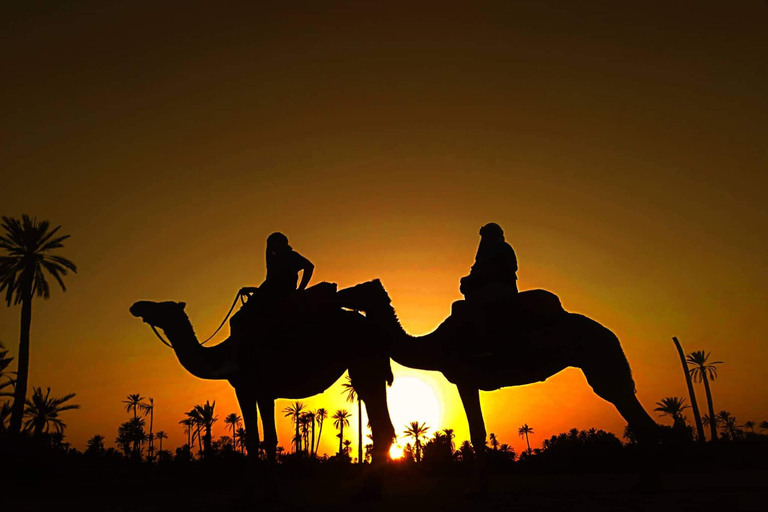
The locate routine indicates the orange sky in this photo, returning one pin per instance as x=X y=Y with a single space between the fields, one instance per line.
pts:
x=622 y=149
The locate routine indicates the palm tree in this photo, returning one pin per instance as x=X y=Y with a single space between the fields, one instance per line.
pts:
x=28 y=245
x=95 y=445
x=448 y=432
x=494 y=442
x=691 y=393
x=320 y=416
x=673 y=406
x=4 y=362
x=43 y=411
x=241 y=439
x=704 y=371
x=160 y=435
x=233 y=420
x=134 y=403
x=150 y=409
x=417 y=432
x=131 y=434
x=294 y=412
x=524 y=431
x=763 y=425
x=351 y=397
x=197 y=423
x=341 y=420
x=305 y=422
x=728 y=424
x=750 y=425
x=207 y=419
x=188 y=423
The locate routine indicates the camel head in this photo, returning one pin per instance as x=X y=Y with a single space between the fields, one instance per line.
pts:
x=364 y=296
x=159 y=314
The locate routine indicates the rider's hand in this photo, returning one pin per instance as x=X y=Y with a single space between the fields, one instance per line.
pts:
x=245 y=290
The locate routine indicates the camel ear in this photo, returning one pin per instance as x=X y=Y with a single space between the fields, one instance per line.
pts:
x=182 y=305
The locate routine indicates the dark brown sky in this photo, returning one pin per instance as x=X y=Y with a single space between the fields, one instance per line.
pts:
x=622 y=148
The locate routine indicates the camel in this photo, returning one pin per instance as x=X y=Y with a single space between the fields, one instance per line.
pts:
x=526 y=340
x=298 y=360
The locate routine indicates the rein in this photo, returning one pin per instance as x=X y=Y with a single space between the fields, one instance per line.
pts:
x=238 y=296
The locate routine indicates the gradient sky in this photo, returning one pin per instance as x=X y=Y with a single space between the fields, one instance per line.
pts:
x=620 y=146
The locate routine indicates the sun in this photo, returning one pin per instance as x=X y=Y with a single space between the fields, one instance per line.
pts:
x=413 y=399
x=395 y=452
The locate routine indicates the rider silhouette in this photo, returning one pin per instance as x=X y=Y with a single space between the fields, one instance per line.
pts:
x=494 y=274
x=283 y=267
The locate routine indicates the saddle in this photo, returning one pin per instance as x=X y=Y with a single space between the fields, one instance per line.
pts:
x=481 y=322
x=300 y=307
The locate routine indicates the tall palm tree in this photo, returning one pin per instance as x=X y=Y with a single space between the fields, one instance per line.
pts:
x=351 y=397
x=320 y=416
x=704 y=371
x=691 y=393
x=673 y=406
x=149 y=409
x=293 y=411
x=189 y=424
x=197 y=422
x=207 y=418
x=417 y=432
x=524 y=431
x=160 y=435
x=43 y=411
x=341 y=420
x=28 y=245
x=305 y=422
x=233 y=420
x=134 y=403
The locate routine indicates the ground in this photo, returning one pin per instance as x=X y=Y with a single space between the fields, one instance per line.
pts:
x=403 y=491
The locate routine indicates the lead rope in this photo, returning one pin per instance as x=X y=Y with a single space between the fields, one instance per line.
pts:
x=242 y=302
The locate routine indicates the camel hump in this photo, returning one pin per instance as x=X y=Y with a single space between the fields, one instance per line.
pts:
x=541 y=302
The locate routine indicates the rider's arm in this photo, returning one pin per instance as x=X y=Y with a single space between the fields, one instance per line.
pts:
x=308 y=268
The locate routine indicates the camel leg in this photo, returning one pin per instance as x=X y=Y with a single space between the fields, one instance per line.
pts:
x=615 y=390
x=251 y=419
x=371 y=386
x=470 y=397
x=267 y=409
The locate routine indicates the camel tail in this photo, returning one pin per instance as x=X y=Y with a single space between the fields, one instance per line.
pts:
x=605 y=365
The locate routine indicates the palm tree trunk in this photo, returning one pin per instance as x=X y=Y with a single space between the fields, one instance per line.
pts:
x=528 y=443
x=359 y=431
x=151 y=438
x=341 y=437
x=319 y=433
x=297 y=439
x=312 y=450
x=712 y=426
x=22 y=369
x=691 y=393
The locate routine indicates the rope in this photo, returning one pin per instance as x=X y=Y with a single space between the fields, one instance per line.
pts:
x=242 y=301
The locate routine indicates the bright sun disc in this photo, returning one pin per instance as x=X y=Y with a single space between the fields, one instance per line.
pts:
x=395 y=452
x=412 y=399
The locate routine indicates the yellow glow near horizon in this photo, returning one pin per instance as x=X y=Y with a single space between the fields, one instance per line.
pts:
x=395 y=451
x=414 y=399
